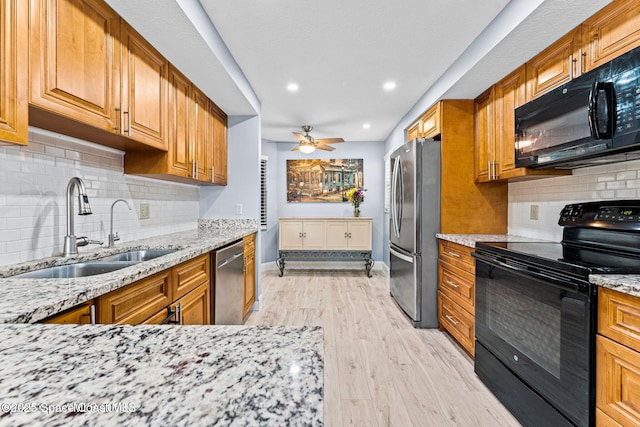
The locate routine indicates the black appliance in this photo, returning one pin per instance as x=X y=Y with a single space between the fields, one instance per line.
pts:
x=536 y=312
x=593 y=119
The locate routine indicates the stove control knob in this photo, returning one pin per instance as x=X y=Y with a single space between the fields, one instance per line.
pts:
x=576 y=213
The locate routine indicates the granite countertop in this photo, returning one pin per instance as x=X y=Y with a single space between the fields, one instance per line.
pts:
x=470 y=240
x=160 y=375
x=625 y=283
x=30 y=300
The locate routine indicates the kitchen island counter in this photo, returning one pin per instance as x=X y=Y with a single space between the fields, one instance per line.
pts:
x=160 y=375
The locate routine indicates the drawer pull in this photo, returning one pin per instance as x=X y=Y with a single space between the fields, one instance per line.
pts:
x=451 y=319
x=450 y=283
x=454 y=254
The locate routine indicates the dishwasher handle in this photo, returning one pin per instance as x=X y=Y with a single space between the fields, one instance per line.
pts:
x=230 y=260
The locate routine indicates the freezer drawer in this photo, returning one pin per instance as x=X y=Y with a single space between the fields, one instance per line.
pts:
x=404 y=282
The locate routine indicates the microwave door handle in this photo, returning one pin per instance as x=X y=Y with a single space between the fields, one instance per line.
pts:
x=596 y=132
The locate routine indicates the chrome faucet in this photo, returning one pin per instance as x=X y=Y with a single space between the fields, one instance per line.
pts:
x=71 y=242
x=113 y=238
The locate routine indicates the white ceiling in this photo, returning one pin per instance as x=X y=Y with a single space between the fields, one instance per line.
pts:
x=340 y=53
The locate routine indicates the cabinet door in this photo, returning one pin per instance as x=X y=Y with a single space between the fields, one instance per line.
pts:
x=195 y=306
x=14 y=30
x=611 y=32
x=552 y=67
x=509 y=94
x=430 y=122
x=144 y=90
x=136 y=302
x=202 y=146
x=360 y=235
x=75 y=60
x=413 y=131
x=290 y=235
x=484 y=135
x=178 y=141
x=219 y=135
x=249 y=281
x=337 y=235
x=81 y=314
x=314 y=235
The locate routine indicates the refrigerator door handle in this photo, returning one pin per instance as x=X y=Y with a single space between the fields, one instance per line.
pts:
x=401 y=256
x=396 y=197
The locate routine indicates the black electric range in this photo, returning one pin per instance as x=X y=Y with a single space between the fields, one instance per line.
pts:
x=535 y=312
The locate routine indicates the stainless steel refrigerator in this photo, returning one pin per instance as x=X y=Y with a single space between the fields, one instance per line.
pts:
x=414 y=222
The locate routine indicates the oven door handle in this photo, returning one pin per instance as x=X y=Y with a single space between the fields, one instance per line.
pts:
x=556 y=279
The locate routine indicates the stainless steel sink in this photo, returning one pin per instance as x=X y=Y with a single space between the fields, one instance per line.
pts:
x=139 y=255
x=81 y=269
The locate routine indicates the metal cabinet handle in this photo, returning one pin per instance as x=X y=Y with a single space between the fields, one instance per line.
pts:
x=451 y=319
x=179 y=310
x=489 y=168
x=127 y=121
x=453 y=254
x=571 y=64
x=495 y=170
x=346 y=236
x=450 y=283
x=304 y=234
x=196 y=169
x=92 y=314
x=213 y=174
x=580 y=59
x=349 y=235
x=118 y=119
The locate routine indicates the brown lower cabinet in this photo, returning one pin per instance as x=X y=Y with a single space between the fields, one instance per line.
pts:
x=249 y=294
x=83 y=314
x=618 y=359
x=178 y=295
x=456 y=293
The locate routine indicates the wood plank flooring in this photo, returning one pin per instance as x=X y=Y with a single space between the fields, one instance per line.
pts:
x=379 y=370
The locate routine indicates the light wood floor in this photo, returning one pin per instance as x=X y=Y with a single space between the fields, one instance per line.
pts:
x=379 y=370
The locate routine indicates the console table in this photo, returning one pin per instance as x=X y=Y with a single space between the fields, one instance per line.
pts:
x=326 y=238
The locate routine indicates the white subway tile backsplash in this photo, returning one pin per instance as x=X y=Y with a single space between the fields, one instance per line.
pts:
x=33 y=182
x=605 y=182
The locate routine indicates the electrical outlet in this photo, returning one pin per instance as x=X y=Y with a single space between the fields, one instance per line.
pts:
x=533 y=212
x=145 y=211
x=238 y=208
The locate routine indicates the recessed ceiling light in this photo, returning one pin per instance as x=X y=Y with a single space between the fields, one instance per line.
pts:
x=389 y=86
x=366 y=126
x=292 y=87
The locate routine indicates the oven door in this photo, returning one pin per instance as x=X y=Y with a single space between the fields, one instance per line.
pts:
x=541 y=328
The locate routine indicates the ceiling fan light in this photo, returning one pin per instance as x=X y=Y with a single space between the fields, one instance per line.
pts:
x=307 y=148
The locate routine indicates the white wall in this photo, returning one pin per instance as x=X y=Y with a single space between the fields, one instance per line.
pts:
x=372 y=154
x=608 y=182
x=33 y=183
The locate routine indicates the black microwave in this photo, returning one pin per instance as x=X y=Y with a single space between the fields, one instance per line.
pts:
x=593 y=119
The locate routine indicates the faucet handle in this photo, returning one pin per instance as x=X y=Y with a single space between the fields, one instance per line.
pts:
x=84 y=241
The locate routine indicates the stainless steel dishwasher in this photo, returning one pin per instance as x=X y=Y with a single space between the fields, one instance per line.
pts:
x=229 y=284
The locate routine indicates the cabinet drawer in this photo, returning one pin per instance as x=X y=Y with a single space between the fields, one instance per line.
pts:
x=618 y=381
x=603 y=420
x=457 y=255
x=619 y=317
x=80 y=314
x=458 y=284
x=136 y=302
x=457 y=321
x=189 y=275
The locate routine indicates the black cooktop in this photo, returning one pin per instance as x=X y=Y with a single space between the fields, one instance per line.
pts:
x=565 y=257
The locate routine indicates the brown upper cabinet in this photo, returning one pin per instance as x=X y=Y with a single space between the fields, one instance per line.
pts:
x=611 y=32
x=495 y=132
x=427 y=126
x=14 y=25
x=88 y=65
x=197 y=139
x=552 y=67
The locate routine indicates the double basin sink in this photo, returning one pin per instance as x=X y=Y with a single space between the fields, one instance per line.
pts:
x=99 y=266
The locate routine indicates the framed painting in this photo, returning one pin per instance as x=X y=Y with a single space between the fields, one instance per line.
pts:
x=322 y=180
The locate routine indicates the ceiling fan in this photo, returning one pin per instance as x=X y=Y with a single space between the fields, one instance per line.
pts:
x=308 y=144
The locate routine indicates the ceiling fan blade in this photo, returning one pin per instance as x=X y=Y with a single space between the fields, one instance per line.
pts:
x=301 y=137
x=329 y=140
x=296 y=148
x=325 y=147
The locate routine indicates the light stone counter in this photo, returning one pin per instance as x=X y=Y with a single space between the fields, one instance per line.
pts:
x=470 y=240
x=625 y=283
x=161 y=375
x=31 y=300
